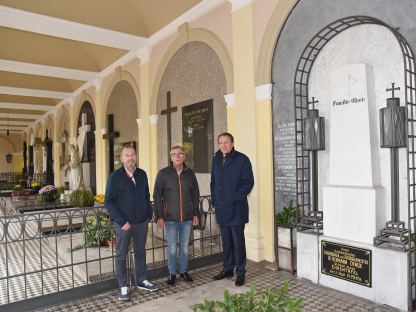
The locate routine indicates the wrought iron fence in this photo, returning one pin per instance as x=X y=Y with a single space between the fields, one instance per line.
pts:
x=64 y=251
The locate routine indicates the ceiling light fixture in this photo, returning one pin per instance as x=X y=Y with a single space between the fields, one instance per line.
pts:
x=7 y=131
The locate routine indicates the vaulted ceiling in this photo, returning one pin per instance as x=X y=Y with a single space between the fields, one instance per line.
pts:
x=51 y=48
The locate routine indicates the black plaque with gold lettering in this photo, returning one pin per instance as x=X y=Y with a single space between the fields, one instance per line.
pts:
x=346 y=262
x=197 y=135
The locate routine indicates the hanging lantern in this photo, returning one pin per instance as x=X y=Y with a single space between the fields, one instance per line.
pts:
x=393 y=124
x=314 y=131
x=9 y=158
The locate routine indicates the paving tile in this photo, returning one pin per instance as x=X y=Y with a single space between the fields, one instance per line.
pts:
x=316 y=298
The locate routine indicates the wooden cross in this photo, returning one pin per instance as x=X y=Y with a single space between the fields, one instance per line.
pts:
x=168 y=111
x=111 y=135
x=392 y=90
x=313 y=102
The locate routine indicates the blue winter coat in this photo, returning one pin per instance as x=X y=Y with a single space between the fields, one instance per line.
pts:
x=126 y=201
x=230 y=186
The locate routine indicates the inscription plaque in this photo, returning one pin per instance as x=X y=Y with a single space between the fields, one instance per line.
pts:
x=285 y=162
x=346 y=262
x=197 y=135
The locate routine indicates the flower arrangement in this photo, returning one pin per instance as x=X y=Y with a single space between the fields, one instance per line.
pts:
x=35 y=185
x=18 y=187
x=48 y=193
x=99 y=198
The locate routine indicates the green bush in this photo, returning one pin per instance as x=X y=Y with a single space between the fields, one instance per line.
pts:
x=270 y=300
x=81 y=198
x=289 y=216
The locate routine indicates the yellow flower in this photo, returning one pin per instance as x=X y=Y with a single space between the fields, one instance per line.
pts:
x=99 y=198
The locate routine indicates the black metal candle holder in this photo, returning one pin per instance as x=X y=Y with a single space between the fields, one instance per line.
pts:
x=393 y=136
x=313 y=141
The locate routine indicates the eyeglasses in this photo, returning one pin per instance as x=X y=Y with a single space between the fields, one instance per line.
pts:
x=180 y=155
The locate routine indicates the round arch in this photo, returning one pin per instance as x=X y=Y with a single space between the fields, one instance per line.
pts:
x=78 y=105
x=206 y=37
x=270 y=38
x=49 y=122
x=120 y=75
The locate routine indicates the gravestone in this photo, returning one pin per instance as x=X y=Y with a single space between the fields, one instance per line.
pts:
x=353 y=192
x=197 y=135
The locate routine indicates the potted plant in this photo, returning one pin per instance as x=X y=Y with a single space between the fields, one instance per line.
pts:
x=286 y=223
x=81 y=198
x=47 y=194
x=98 y=231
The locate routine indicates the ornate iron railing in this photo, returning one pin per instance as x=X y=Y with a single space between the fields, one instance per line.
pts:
x=62 y=251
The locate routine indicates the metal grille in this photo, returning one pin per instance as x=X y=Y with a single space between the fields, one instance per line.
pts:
x=43 y=253
x=301 y=96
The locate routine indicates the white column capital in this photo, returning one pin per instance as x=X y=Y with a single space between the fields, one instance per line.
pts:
x=153 y=119
x=139 y=122
x=230 y=100
x=144 y=54
x=264 y=92
x=238 y=4
x=97 y=83
x=71 y=101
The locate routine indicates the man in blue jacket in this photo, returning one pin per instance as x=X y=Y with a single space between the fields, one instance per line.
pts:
x=127 y=200
x=231 y=182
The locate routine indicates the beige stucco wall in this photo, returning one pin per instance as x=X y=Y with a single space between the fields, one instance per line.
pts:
x=11 y=144
x=123 y=105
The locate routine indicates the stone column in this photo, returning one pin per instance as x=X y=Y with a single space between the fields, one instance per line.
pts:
x=245 y=114
x=144 y=148
x=264 y=181
x=56 y=153
x=100 y=165
x=153 y=149
x=230 y=100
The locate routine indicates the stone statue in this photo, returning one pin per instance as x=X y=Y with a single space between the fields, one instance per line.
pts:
x=76 y=179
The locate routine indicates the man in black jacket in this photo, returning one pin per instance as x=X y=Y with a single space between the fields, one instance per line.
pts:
x=231 y=182
x=176 y=203
x=127 y=200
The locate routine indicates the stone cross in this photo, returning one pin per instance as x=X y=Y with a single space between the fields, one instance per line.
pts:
x=168 y=111
x=82 y=133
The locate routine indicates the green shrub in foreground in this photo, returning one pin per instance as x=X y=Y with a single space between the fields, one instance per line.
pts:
x=271 y=300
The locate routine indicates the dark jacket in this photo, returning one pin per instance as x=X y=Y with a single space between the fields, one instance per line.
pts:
x=126 y=201
x=231 y=182
x=176 y=198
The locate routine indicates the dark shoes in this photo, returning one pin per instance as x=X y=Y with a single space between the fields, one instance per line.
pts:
x=223 y=275
x=241 y=279
x=186 y=277
x=171 y=279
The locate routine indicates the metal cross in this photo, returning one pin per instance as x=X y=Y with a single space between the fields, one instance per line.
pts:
x=392 y=90
x=313 y=102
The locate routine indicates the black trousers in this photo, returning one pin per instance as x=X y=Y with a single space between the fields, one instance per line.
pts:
x=234 y=246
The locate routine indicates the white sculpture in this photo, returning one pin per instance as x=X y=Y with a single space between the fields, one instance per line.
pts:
x=76 y=179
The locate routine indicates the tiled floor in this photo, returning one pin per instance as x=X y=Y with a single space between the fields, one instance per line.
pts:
x=182 y=296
